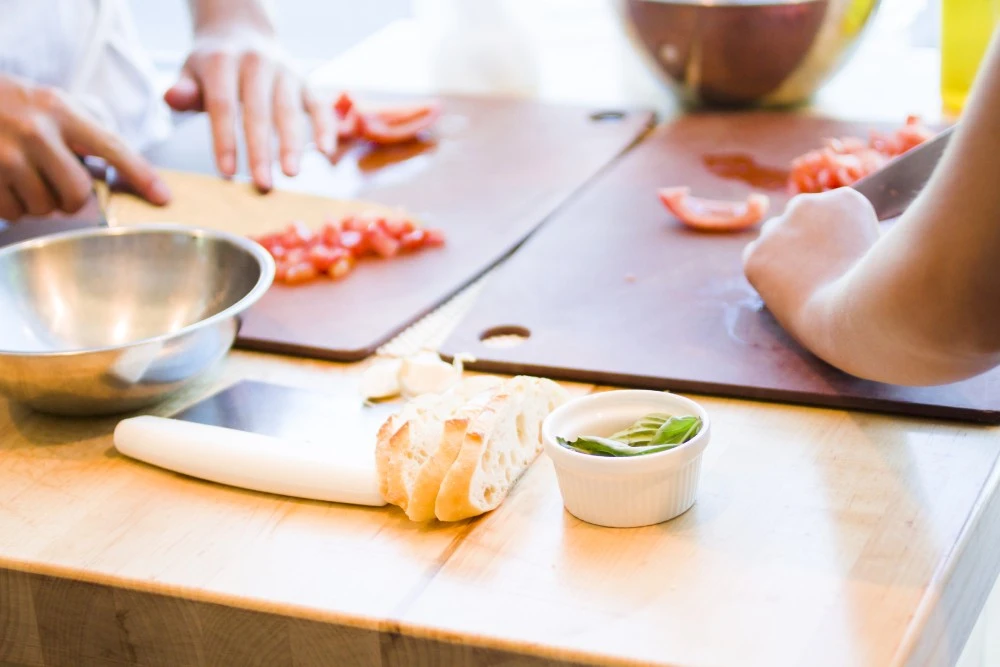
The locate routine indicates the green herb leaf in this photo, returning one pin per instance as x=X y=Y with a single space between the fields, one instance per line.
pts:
x=653 y=433
x=677 y=430
x=608 y=447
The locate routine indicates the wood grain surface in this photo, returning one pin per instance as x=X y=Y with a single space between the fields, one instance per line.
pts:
x=819 y=537
x=491 y=174
x=615 y=290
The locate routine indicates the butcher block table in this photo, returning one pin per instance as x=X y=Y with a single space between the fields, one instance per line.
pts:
x=820 y=537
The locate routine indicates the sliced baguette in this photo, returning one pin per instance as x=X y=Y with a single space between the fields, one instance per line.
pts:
x=499 y=444
x=428 y=481
x=407 y=440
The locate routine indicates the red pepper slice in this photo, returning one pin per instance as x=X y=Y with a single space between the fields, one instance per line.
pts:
x=709 y=215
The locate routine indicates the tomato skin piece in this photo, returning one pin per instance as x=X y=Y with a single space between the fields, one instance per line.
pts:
x=386 y=125
x=407 y=114
x=390 y=126
x=714 y=216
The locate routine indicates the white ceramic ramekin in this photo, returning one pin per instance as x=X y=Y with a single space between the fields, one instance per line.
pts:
x=620 y=492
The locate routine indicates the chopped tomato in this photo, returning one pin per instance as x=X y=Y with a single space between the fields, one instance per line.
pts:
x=323 y=256
x=344 y=105
x=413 y=240
x=280 y=271
x=433 y=238
x=302 y=255
x=383 y=244
x=300 y=272
x=341 y=267
x=296 y=255
x=354 y=241
x=712 y=215
x=329 y=234
x=842 y=162
x=354 y=224
x=399 y=227
x=297 y=235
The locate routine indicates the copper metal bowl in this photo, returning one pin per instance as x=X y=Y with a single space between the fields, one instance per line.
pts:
x=746 y=52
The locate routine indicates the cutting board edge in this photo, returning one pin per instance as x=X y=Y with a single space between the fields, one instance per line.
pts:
x=732 y=391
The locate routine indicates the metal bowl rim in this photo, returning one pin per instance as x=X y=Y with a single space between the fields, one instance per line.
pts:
x=264 y=261
x=731 y=3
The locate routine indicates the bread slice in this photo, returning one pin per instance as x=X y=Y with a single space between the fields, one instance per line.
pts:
x=499 y=444
x=408 y=440
x=430 y=475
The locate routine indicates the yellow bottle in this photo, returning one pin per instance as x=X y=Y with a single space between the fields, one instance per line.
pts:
x=966 y=27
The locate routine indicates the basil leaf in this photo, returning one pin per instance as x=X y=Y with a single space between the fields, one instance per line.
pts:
x=608 y=447
x=653 y=433
x=676 y=431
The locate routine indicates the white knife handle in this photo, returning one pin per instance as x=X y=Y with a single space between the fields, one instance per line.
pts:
x=251 y=461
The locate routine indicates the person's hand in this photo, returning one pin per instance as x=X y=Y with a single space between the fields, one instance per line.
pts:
x=813 y=243
x=42 y=134
x=243 y=66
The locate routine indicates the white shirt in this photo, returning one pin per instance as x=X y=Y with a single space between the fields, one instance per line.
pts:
x=90 y=49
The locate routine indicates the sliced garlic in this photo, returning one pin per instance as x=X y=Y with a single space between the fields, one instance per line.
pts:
x=381 y=379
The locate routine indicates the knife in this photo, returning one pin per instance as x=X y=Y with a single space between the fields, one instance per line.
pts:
x=270 y=438
x=893 y=187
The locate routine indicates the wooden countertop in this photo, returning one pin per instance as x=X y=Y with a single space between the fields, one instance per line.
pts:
x=820 y=537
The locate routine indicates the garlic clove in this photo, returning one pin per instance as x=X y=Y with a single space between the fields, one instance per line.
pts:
x=426 y=373
x=381 y=379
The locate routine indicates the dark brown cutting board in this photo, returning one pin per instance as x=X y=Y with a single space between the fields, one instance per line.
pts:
x=689 y=321
x=497 y=169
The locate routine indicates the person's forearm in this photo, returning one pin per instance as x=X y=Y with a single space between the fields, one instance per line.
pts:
x=219 y=15
x=923 y=305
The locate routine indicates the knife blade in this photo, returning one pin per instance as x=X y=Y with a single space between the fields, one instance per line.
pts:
x=893 y=187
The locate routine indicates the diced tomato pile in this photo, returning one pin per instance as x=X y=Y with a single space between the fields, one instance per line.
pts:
x=301 y=254
x=841 y=162
x=384 y=125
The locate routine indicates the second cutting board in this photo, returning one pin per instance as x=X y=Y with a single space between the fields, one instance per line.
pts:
x=615 y=291
x=495 y=171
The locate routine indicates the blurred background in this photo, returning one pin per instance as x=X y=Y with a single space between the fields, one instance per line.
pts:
x=315 y=31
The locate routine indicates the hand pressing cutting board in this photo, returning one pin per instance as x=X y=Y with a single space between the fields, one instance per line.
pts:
x=493 y=172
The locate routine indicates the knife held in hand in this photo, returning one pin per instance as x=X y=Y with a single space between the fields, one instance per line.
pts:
x=893 y=187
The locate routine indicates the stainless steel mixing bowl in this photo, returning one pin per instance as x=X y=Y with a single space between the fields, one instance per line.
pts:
x=103 y=321
x=746 y=52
